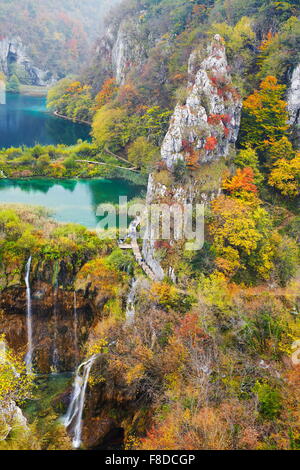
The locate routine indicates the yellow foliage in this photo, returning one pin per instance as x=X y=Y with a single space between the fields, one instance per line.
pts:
x=15 y=383
x=241 y=231
x=135 y=373
x=285 y=176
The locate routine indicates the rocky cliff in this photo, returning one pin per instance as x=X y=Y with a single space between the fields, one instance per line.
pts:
x=121 y=48
x=201 y=134
x=61 y=323
x=12 y=419
x=208 y=122
x=61 y=315
x=294 y=102
x=13 y=56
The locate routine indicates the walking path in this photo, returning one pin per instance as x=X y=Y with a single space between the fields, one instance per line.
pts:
x=136 y=249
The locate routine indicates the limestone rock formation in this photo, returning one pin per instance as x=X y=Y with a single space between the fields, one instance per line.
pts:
x=12 y=418
x=128 y=50
x=294 y=102
x=121 y=48
x=201 y=131
x=13 y=52
x=208 y=122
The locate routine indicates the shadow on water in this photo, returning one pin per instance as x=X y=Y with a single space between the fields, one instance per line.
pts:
x=24 y=120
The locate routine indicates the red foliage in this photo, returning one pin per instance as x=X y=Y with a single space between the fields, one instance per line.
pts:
x=214 y=119
x=226 y=119
x=162 y=245
x=189 y=328
x=214 y=80
x=211 y=143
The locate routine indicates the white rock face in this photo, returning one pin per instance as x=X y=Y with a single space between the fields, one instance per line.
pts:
x=127 y=51
x=13 y=49
x=11 y=418
x=208 y=123
x=121 y=48
x=294 y=98
x=203 y=128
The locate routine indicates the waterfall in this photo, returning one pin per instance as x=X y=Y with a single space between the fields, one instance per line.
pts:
x=130 y=307
x=55 y=354
x=74 y=414
x=28 y=357
x=76 y=329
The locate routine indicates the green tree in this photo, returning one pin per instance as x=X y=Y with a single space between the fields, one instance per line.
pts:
x=142 y=153
x=110 y=128
x=248 y=158
x=13 y=85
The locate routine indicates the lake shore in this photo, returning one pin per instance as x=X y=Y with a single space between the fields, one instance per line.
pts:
x=77 y=121
x=30 y=90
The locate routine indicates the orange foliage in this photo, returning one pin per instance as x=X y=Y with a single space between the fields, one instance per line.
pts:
x=75 y=87
x=106 y=93
x=128 y=96
x=191 y=155
x=265 y=114
x=243 y=180
x=101 y=278
x=189 y=329
x=214 y=119
x=267 y=41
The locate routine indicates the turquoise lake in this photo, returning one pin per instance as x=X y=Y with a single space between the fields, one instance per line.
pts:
x=73 y=201
x=24 y=120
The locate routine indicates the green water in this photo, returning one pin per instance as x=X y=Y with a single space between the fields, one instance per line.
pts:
x=73 y=201
x=47 y=396
x=24 y=120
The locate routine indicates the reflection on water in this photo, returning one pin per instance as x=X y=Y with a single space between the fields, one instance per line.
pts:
x=24 y=120
x=73 y=201
x=37 y=185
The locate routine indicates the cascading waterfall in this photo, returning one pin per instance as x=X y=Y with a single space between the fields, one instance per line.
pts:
x=130 y=307
x=73 y=418
x=76 y=329
x=28 y=357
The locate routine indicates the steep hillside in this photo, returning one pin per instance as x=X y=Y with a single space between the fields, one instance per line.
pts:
x=185 y=339
x=40 y=40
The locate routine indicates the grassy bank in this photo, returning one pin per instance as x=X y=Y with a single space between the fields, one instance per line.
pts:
x=82 y=160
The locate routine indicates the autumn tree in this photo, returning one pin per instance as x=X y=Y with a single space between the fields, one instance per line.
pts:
x=248 y=158
x=142 y=153
x=265 y=117
x=110 y=128
x=241 y=232
x=72 y=99
x=285 y=176
x=241 y=182
x=107 y=92
x=128 y=97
